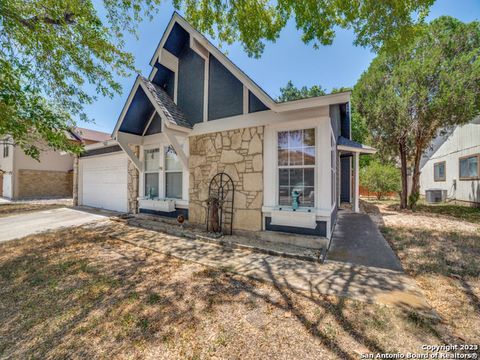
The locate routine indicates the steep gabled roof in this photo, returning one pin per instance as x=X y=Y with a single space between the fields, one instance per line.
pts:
x=169 y=109
x=244 y=78
x=251 y=85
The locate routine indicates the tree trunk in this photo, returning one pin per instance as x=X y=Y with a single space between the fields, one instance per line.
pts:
x=416 y=177
x=403 y=165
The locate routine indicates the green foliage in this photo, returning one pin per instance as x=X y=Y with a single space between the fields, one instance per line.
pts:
x=49 y=51
x=251 y=22
x=407 y=96
x=380 y=178
x=291 y=92
x=27 y=118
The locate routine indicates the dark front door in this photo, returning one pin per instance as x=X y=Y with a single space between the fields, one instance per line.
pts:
x=345 y=168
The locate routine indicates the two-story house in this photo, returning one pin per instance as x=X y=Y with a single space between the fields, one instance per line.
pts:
x=197 y=115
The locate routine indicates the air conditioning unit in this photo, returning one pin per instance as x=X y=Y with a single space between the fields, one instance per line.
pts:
x=436 y=195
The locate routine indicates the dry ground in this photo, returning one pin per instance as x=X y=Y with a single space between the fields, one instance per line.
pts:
x=18 y=207
x=439 y=246
x=86 y=293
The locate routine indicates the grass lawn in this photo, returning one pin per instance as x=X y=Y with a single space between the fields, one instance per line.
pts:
x=87 y=292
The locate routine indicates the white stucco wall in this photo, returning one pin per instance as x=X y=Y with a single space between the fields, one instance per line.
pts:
x=49 y=160
x=465 y=140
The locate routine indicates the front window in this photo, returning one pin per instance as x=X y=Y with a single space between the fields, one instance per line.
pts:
x=152 y=168
x=439 y=171
x=296 y=167
x=469 y=167
x=173 y=174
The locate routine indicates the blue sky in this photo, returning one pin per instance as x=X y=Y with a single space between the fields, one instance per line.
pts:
x=340 y=64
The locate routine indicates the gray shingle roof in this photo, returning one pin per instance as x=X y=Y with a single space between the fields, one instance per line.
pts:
x=343 y=141
x=165 y=102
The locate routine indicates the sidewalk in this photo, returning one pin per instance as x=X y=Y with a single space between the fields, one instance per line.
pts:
x=331 y=278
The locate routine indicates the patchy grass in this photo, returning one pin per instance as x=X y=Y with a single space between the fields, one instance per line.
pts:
x=16 y=208
x=461 y=212
x=87 y=293
x=441 y=251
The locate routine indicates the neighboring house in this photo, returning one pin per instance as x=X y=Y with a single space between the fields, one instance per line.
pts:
x=197 y=115
x=22 y=177
x=453 y=164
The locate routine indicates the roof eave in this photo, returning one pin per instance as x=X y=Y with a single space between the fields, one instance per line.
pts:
x=363 y=150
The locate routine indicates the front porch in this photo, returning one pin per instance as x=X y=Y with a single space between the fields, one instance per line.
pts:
x=349 y=164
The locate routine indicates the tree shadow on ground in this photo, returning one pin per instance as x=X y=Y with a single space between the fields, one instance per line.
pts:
x=442 y=257
x=83 y=291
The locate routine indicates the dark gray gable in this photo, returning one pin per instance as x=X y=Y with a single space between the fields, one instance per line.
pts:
x=254 y=103
x=165 y=78
x=177 y=40
x=155 y=126
x=191 y=77
x=138 y=114
x=225 y=92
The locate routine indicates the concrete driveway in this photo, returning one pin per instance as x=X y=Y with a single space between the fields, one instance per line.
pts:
x=18 y=226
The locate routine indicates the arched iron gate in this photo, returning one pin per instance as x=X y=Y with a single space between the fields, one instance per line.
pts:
x=220 y=204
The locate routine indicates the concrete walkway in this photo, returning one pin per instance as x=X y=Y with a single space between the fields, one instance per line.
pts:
x=333 y=278
x=357 y=240
x=18 y=226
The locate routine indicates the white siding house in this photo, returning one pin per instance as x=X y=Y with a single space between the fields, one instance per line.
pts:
x=453 y=164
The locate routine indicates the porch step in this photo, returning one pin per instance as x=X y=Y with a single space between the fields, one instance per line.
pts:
x=271 y=243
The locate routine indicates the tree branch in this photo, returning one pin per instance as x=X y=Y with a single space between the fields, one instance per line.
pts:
x=68 y=18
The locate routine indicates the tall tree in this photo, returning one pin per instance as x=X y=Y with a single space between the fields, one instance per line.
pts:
x=50 y=50
x=291 y=92
x=409 y=95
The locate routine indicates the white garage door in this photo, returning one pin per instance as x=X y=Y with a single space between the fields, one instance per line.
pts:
x=104 y=182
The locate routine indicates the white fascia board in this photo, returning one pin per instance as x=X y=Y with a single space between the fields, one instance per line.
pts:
x=313 y=102
x=163 y=39
x=168 y=60
x=152 y=73
x=148 y=123
x=198 y=48
x=356 y=150
x=260 y=118
x=126 y=106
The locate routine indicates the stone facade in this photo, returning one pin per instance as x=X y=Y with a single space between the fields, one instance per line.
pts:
x=239 y=153
x=44 y=183
x=132 y=182
x=75 y=180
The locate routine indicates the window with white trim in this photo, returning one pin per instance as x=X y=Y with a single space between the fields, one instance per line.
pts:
x=296 y=166
x=173 y=174
x=151 y=174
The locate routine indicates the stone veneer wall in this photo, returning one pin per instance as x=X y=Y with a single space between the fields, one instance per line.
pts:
x=44 y=183
x=239 y=153
x=132 y=183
